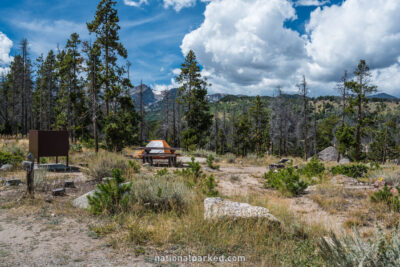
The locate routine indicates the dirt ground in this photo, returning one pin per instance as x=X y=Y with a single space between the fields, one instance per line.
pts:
x=56 y=234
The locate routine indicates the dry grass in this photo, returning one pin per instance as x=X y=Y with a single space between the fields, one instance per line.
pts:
x=260 y=241
x=334 y=199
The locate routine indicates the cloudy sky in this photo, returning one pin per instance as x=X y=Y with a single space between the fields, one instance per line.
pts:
x=244 y=46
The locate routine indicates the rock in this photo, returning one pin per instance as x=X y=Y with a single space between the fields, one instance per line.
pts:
x=49 y=199
x=69 y=184
x=58 y=192
x=13 y=182
x=344 y=180
x=6 y=167
x=344 y=161
x=219 y=208
x=283 y=161
x=276 y=166
x=82 y=201
x=328 y=154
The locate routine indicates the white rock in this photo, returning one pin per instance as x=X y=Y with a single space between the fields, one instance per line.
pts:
x=344 y=161
x=6 y=167
x=218 y=207
x=82 y=201
x=328 y=154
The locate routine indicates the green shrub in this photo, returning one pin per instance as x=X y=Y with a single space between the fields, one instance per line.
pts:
x=102 y=164
x=384 y=195
x=354 y=251
x=76 y=147
x=209 y=187
x=287 y=181
x=111 y=197
x=230 y=158
x=134 y=165
x=193 y=173
x=210 y=162
x=351 y=170
x=162 y=172
x=8 y=158
x=313 y=168
x=161 y=194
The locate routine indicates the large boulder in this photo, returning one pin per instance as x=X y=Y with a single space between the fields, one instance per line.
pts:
x=328 y=154
x=219 y=208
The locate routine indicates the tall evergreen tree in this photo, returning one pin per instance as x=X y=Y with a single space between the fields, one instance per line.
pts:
x=105 y=27
x=192 y=94
x=360 y=87
x=260 y=118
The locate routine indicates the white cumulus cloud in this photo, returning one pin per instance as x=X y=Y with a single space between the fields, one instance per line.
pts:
x=179 y=4
x=311 y=2
x=244 y=46
x=137 y=3
x=5 y=48
x=358 y=29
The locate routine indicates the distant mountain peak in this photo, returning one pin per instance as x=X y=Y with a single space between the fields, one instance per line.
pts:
x=383 y=96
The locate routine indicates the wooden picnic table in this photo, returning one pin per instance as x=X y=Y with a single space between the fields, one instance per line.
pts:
x=149 y=157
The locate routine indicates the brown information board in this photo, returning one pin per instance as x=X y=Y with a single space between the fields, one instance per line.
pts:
x=49 y=144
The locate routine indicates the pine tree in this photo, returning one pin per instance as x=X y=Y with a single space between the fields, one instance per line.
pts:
x=105 y=26
x=192 y=94
x=360 y=87
x=260 y=118
x=111 y=197
x=242 y=139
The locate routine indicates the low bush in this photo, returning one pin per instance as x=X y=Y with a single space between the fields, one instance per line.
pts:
x=354 y=251
x=102 y=164
x=209 y=187
x=162 y=172
x=313 y=168
x=193 y=174
x=287 y=181
x=161 y=194
x=111 y=197
x=230 y=158
x=210 y=162
x=134 y=166
x=8 y=158
x=351 y=170
x=384 y=195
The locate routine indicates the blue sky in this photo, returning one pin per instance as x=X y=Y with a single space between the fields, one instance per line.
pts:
x=245 y=46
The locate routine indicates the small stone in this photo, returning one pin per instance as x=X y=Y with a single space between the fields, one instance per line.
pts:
x=69 y=184
x=59 y=192
x=49 y=199
x=13 y=182
x=276 y=166
x=283 y=161
x=6 y=167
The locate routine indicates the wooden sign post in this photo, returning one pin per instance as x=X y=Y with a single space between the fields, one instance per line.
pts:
x=30 y=174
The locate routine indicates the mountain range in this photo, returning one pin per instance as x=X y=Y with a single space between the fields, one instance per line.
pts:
x=152 y=97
